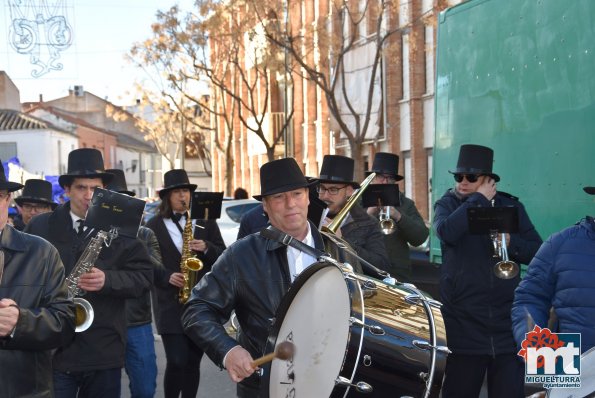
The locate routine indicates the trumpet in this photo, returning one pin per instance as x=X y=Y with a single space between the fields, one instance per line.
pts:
x=505 y=268
x=387 y=224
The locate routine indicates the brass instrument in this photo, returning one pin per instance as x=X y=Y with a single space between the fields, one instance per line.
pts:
x=337 y=247
x=84 y=313
x=505 y=268
x=190 y=264
x=334 y=225
x=387 y=224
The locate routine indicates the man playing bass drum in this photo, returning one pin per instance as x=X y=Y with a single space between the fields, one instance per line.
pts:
x=252 y=276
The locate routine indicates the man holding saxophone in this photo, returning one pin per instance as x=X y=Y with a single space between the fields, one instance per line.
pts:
x=476 y=300
x=91 y=365
x=180 y=238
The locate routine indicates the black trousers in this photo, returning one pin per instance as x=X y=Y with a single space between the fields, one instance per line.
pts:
x=182 y=370
x=464 y=376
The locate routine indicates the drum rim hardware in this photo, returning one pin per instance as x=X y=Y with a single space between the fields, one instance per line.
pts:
x=360 y=386
x=418 y=297
x=374 y=329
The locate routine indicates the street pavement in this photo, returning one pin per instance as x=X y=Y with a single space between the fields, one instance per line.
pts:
x=214 y=383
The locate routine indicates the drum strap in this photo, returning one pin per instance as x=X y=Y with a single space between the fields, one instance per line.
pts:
x=278 y=236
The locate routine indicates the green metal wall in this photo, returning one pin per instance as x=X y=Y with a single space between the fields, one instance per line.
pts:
x=519 y=77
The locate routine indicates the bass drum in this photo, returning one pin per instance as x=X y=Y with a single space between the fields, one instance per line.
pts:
x=587 y=388
x=322 y=315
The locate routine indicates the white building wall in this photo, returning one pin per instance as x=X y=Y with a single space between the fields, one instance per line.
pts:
x=39 y=151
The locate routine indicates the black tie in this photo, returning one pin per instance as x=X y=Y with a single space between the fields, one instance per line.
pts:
x=81 y=227
x=177 y=217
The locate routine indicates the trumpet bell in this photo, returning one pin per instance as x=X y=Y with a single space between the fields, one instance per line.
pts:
x=506 y=269
x=83 y=314
x=194 y=264
x=388 y=226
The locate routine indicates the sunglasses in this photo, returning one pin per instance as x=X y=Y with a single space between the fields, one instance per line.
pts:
x=469 y=177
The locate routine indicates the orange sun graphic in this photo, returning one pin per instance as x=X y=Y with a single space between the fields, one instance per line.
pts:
x=540 y=338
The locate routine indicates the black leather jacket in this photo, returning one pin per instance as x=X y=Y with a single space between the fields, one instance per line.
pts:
x=138 y=310
x=34 y=278
x=251 y=277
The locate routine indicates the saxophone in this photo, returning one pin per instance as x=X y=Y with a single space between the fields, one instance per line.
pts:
x=190 y=265
x=83 y=310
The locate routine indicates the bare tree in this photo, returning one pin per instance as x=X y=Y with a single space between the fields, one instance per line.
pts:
x=343 y=52
x=183 y=119
x=244 y=68
x=189 y=51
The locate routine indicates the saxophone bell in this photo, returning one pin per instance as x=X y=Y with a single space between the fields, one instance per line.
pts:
x=83 y=314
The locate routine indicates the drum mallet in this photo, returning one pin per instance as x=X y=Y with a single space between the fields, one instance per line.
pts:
x=284 y=351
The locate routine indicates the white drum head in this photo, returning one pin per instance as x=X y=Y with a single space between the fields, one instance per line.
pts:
x=587 y=388
x=317 y=322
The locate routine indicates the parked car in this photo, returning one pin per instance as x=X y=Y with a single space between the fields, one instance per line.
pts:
x=231 y=214
x=229 y=222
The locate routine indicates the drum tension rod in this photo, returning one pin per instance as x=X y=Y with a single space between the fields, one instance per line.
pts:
x=424 y=345
x=360 y=386
x=374 y=329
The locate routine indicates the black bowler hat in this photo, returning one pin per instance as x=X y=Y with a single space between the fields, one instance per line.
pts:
x=281 y=175
x=589 y=190
x=175 y=179
x=337 y=169
x=118 y=183
x=475 y=159
x=8 y=185
x=85 y=163
x=37 y=191
x=386 y=163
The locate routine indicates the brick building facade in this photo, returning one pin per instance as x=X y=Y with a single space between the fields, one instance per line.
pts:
x=406 y=123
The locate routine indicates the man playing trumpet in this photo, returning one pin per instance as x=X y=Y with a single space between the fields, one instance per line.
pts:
x=409 y=227
x=476 y=303
x=360 y=230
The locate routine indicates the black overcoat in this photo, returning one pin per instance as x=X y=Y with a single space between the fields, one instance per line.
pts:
x=128 y=273
x=167 y=308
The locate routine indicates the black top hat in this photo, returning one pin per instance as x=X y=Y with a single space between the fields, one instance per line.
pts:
x=337 y=169
x=175 y=179
x=475 y=159
x=589 y=190
x=84 y=163
x=37 y=191
x=386 y=163
x=281 y=175
x=118 y=183
x=8 y=185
